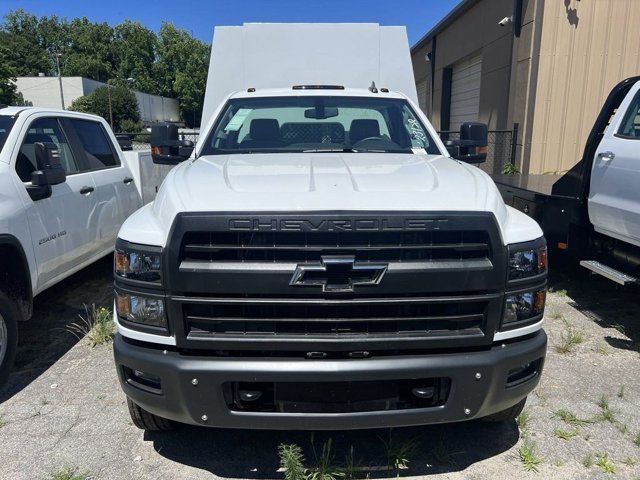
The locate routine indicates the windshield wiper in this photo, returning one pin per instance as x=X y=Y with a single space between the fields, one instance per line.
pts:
x=344 y=150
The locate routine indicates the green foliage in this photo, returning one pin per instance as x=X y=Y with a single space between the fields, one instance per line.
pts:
x=124 y=105
x=565 y=434
x=527 y=455
x=130 y=126
x=97 y=326
x=604 y=463
x=292 y=462
x=169 y=63
x=68 y=473
x=570 y=418
x=326 y=467
x=510 y=169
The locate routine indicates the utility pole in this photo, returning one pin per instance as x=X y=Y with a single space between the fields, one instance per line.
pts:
x=58 y=55
x=110 y=109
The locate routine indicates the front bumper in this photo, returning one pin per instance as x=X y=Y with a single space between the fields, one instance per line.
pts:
x=469 y=397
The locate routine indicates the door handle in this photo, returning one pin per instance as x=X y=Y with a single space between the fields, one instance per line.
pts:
x=127 y=180
x=86 y=190
x=606 y=156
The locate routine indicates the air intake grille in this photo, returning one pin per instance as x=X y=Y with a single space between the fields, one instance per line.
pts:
x=303 y=247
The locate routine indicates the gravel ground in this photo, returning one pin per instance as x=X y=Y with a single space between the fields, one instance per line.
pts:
x=63 y=407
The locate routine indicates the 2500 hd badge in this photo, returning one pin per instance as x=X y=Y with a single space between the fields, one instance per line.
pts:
x=44 y=240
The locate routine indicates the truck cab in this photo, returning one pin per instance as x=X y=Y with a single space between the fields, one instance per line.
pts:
x=320 y=261
x=65 y=193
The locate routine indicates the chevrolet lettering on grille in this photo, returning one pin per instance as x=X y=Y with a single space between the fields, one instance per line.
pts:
x=338 y=273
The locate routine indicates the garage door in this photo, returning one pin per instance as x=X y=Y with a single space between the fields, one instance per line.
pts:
x=422 y=95
x=465 y=91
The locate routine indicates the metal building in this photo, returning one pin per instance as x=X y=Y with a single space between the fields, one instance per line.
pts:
x=536 y=71
x=45 y=92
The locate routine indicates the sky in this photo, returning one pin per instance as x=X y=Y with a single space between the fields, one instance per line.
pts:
x=199 y=17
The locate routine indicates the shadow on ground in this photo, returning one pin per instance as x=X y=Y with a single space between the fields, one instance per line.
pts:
x=254 y=453
x=45 y=337
x=604 y=302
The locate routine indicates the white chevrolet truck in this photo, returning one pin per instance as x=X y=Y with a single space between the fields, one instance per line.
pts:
x=320 y=260
x=65 y=190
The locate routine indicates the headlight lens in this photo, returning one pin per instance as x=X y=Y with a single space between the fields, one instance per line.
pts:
x=135 y=264
x=520 y=307
x=527 y=263
x=140 y=309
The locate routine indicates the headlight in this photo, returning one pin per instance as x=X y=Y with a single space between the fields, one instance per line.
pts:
x=527 y=262
x=520 y=307
x=142 y=310
x=137 y=262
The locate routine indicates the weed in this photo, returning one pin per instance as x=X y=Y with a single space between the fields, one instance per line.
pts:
x=621 y=391
x=292 y=461
x=606 y=413
x=350 y=465
x=630 y=461
x=97 y=326
x=3 y=422
x=527 y=455
x=68 y=473
x=559 y=462
x=565 y=434
x=523 y=420
x=509 y=168
x=570 y=418
x=569 y=339
x=398 y=454
x=561 y=292
x=588 y=460
x=442 y=454
x=604 y=463
x=603 y=349
x=622 y=427
x=637 y=440
x=556 y=316
x=326 y=468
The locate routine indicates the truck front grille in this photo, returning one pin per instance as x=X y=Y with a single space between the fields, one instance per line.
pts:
x=303 y=247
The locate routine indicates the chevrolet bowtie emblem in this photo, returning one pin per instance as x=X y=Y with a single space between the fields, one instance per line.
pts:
x=338 y=273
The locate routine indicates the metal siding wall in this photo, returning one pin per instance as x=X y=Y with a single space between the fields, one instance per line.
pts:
x=465 y=91
x=421 y=87
x=586 y=48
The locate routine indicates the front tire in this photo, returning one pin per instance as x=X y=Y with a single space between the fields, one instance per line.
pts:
x=507 y=415
x=147 y=421
x=8 y=335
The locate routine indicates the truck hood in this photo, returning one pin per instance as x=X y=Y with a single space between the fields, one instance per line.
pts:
x=304 y=182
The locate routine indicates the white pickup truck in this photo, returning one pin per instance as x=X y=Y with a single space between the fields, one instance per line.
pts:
x=320 y=261
x=65 y=190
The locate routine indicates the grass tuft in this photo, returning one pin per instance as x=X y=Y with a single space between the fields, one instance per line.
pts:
x=443 y=454
x=3 y=422
x=630 y=461
x=527 y=455
x=588 y=461
x=326 y=468
x=565 y=434
x=399 y=453
x=569 y=339
x=97 y=326
x=570 y=418
x=292 y=461
x=637 y=440
x=69 y=473
x=523 y=420
x=604 y=463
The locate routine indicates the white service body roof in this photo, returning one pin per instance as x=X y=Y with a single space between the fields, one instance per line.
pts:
x=277 y=55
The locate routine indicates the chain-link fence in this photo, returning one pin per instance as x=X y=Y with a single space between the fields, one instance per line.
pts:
x=499 y=149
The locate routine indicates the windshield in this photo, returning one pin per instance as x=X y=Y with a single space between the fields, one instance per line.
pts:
x=6 y=122
x=318 y=124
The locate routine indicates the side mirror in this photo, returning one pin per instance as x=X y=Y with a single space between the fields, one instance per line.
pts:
x=166 y=149
x=472 y=145
x=50 y=171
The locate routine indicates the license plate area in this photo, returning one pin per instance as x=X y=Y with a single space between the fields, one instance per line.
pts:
x=336 y=397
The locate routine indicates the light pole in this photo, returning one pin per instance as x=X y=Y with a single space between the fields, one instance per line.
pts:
x=110 y=108
x=58 y=55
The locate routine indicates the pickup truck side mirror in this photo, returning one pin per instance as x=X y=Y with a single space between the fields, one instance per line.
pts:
x=166 y=149
x=472 y=145
x=49 y=172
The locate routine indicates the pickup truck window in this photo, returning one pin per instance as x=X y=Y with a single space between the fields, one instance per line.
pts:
x=6 y=122
x=318 y=124
x=98 y=148
x=630 y=126
x=44 y=130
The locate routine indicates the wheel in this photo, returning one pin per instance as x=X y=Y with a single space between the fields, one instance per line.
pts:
x=8 y=335
x=147 y=421
x=507 y=415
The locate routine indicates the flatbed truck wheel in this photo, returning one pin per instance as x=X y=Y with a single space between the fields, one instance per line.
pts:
x=8 y=335
x=147 y=421
x=508 y=414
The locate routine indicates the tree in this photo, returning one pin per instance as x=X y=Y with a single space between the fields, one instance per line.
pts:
x=9 y=94
x=181 y=70
x=20 y=34
x=124 y=105
x=90 y=53
x=135 y=55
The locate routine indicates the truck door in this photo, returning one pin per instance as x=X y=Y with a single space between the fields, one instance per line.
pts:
x=116 y=194
x=58 y=224
x=614 y=193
